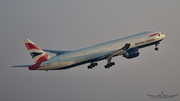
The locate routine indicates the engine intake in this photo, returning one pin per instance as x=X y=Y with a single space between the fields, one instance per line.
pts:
x=131 y=53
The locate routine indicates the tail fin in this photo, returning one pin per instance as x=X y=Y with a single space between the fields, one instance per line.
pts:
x=37 y=54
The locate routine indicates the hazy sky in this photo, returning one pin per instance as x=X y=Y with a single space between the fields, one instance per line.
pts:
x=76 y=24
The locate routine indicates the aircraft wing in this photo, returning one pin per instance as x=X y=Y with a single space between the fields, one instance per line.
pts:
x=58 y=52
x=116 y=52
x=120 y=51
x=151 y=95
x=171 y=96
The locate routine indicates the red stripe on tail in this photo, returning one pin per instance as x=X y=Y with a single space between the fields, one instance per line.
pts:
x=35 y=66
x=31 y=46
x=43 y=58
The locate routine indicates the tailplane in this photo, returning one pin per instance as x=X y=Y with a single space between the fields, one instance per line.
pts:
x=37 y=54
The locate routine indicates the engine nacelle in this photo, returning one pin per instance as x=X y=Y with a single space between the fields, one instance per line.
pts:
x=131 y=53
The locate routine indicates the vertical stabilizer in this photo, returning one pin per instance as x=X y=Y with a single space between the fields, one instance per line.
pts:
x=162 y=93
x=37 y=54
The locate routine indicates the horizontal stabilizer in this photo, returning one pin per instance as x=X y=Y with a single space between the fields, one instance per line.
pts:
x=58 y=52
x=21 y=66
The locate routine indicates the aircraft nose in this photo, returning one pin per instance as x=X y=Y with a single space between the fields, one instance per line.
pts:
x=163 y=35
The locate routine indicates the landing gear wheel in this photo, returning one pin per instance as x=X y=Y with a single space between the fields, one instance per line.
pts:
x=112 y=63
x=106 y=66
x=89 y=67
x=109 y=64
x=92 y=65
x=156 y=49
x=95 y=64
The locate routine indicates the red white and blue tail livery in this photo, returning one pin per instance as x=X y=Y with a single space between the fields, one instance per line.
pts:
x=128 y=47
x=37 y=54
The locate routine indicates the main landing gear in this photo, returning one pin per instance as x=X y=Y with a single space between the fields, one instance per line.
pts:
x=156 y=48
x=109 y=64
x=92 y=65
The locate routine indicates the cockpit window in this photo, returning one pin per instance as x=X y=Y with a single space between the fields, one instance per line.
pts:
x=159 y=34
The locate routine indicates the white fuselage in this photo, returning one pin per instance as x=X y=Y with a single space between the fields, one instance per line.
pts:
x=100 y=51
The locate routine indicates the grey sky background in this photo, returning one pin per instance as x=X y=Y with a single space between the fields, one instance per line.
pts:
x=76 y=24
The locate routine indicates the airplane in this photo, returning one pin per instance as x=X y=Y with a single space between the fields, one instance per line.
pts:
x=128 y=47
x=162 y=96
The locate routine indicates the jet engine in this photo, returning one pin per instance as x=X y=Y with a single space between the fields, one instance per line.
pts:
x=131 y=53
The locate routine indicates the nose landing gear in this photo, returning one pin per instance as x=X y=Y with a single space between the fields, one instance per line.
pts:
x=156 y=48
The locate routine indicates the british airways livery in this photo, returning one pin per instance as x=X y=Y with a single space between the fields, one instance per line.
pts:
x=128 y=47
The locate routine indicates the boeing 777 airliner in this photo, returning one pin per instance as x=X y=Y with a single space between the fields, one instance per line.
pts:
x=162 y=96
x=128 y=47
